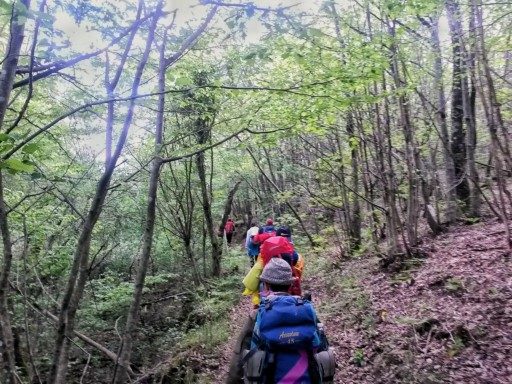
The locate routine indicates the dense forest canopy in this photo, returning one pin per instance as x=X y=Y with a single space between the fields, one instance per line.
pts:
x=130 y=130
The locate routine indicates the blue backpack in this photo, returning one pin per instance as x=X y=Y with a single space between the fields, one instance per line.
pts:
x=267 y=229
x=286 y=331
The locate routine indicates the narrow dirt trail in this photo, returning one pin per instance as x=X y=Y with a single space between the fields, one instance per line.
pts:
x=446 y=318
x=237 y=318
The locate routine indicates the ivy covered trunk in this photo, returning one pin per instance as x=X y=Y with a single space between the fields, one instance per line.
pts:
x=204 y=109
x=458 y=135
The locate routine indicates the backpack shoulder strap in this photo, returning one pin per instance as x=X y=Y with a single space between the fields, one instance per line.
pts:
x=247 y=356
x=271 y=369
x=314 y=373
x=268 y=302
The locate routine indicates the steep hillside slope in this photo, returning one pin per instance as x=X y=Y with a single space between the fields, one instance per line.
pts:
x=443 y=319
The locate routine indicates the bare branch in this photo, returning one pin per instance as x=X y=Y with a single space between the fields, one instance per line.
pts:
x=104 y=350
x=190 y=41
x=292 y=90
x=203 y=149
x=51 y=68
x=249 y=6
x=30 y=75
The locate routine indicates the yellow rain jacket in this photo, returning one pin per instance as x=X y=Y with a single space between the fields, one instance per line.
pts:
x=251 y=281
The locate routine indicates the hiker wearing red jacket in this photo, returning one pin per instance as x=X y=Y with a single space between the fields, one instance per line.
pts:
x=268 y=227
x=229 y=229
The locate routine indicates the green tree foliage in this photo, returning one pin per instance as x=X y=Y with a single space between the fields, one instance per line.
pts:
x=304 y=107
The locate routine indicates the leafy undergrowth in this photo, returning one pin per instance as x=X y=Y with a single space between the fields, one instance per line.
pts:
x=445 y=318
x=209 y=326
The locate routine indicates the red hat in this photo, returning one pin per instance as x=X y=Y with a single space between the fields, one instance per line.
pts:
x=270 y=221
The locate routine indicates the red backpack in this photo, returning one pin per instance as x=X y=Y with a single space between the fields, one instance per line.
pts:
x=261 y=237
x=278 y=246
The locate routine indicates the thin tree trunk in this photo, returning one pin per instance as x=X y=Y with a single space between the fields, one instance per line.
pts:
x=125 y=350
x=366 y=155
x=10 y=63
x=346 y=206
x=7 y=348
x=203 y=126
x=496 y=122
x=383 y=150
x=502 y=205
x=111 y=85
x=354 y=216
x=380 y=150
x=192 y=258
x=355 y=220
x=470 y=114
x=411 y=155
x=391 y=182
x=33 y=372
x=80 y=266
x=207 y=210
x=203 y=247
x=184 y=212
x=458 y=143
x=228 y=205
x=449 y=167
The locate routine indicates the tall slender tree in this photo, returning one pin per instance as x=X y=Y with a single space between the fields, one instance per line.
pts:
x=19 y=10
x=458 y=134
x=80 y=268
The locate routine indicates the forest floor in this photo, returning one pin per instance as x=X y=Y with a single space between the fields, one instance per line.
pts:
x=445 y=318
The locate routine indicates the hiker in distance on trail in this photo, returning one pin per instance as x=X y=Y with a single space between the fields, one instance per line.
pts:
x=252 y=249
x=268 y=227
x=229 y=229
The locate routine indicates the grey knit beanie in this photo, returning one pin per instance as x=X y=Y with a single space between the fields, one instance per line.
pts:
x=277 y=272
